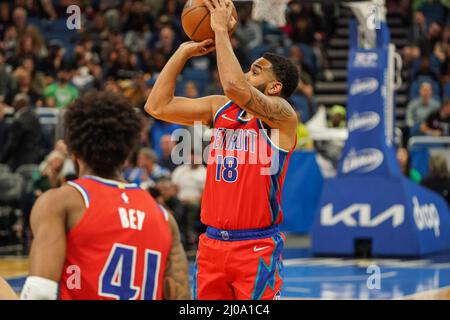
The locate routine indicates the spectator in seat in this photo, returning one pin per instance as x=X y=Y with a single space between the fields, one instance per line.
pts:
x=305 y=84
x=7 y=81
x=3 y=127
x=305 y=70
x=122 y=64
x=168 y=197
x=191 y=90
x=214 y=88
x=5 y=17
x=29 y=45
x=24 y=86
x=112 y=86
x=190 y=179
x=131 y=172
x=420 y=108
x=54 y=60
x=49 y=175
x=25 y=142
x=159 y=129
x=136 y=92
x=417 y=38
x=61 y=93
x=37 y=77
x=302 y=30
x=152 y=171
x=20 y=20
x=405 y=165
x=304 y=141
x=426 y=70
x=9 y=43
x=337 y=117
x=249 y=31
x=438 y=178
x=435 y=31
x=165 y=42
x=438 y=123
x=167 y=145
x=68 y=168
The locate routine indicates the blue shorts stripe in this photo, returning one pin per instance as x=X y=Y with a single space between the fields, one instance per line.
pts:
x=267 y=273
x=194 y=285
x=241 y=235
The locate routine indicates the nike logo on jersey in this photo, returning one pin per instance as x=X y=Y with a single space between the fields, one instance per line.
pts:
x=124 y=198
x=225 y=117
x=256 y=249
x=131 y=218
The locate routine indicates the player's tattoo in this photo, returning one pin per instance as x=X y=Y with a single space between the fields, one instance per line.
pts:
x=176 y=277
x=275 y=111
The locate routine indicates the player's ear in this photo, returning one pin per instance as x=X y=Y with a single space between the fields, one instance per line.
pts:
x=274 y=88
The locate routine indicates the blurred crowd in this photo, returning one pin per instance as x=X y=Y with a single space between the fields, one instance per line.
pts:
x=426 y=61
x=427 y=64
x=122 y=45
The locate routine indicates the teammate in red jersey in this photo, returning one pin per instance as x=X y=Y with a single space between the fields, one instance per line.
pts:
x=99 y=237
x=255 y=128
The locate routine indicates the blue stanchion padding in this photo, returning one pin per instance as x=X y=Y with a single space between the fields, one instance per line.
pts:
x=400 y=217
x=301 y=192
x=369 y=149
x=419 y=158
x=370 y=199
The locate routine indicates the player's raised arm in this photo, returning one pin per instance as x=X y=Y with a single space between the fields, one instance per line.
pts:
x=176 y=277
x=268 y=106
x=48 y=250
x=163 y=105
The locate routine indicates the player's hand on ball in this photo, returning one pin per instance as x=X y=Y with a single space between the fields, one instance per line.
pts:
x=197 y=49
x=221 y=18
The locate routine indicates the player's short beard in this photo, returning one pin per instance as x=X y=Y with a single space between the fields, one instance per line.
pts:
x=77 y=167
x=262 y=88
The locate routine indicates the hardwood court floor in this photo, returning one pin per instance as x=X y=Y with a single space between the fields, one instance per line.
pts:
x=12 y=267
x=307 y=277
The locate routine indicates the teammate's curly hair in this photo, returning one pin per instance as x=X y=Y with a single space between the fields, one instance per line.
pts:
x=285 y=71
x=102 y=128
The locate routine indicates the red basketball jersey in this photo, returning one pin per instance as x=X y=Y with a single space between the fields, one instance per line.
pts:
x=119 y=248
x=245 y=174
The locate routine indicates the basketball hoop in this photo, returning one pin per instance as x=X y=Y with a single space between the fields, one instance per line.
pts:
x=272 y=11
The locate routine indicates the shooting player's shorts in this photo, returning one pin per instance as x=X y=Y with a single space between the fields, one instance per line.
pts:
x=239 y=264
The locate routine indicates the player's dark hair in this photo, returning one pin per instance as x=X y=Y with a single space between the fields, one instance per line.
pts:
x=285 y=71
x=102 y=128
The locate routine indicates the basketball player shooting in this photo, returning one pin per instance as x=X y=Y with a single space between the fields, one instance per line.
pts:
x=99 y=237
x=239 y=257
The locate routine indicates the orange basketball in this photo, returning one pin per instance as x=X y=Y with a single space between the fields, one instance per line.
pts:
x=196 y=20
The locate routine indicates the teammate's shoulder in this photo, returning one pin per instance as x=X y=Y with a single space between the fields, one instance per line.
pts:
x=56 y=195
x=53 y=202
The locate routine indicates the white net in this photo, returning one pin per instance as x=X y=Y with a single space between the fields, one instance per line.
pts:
x=272 y=11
